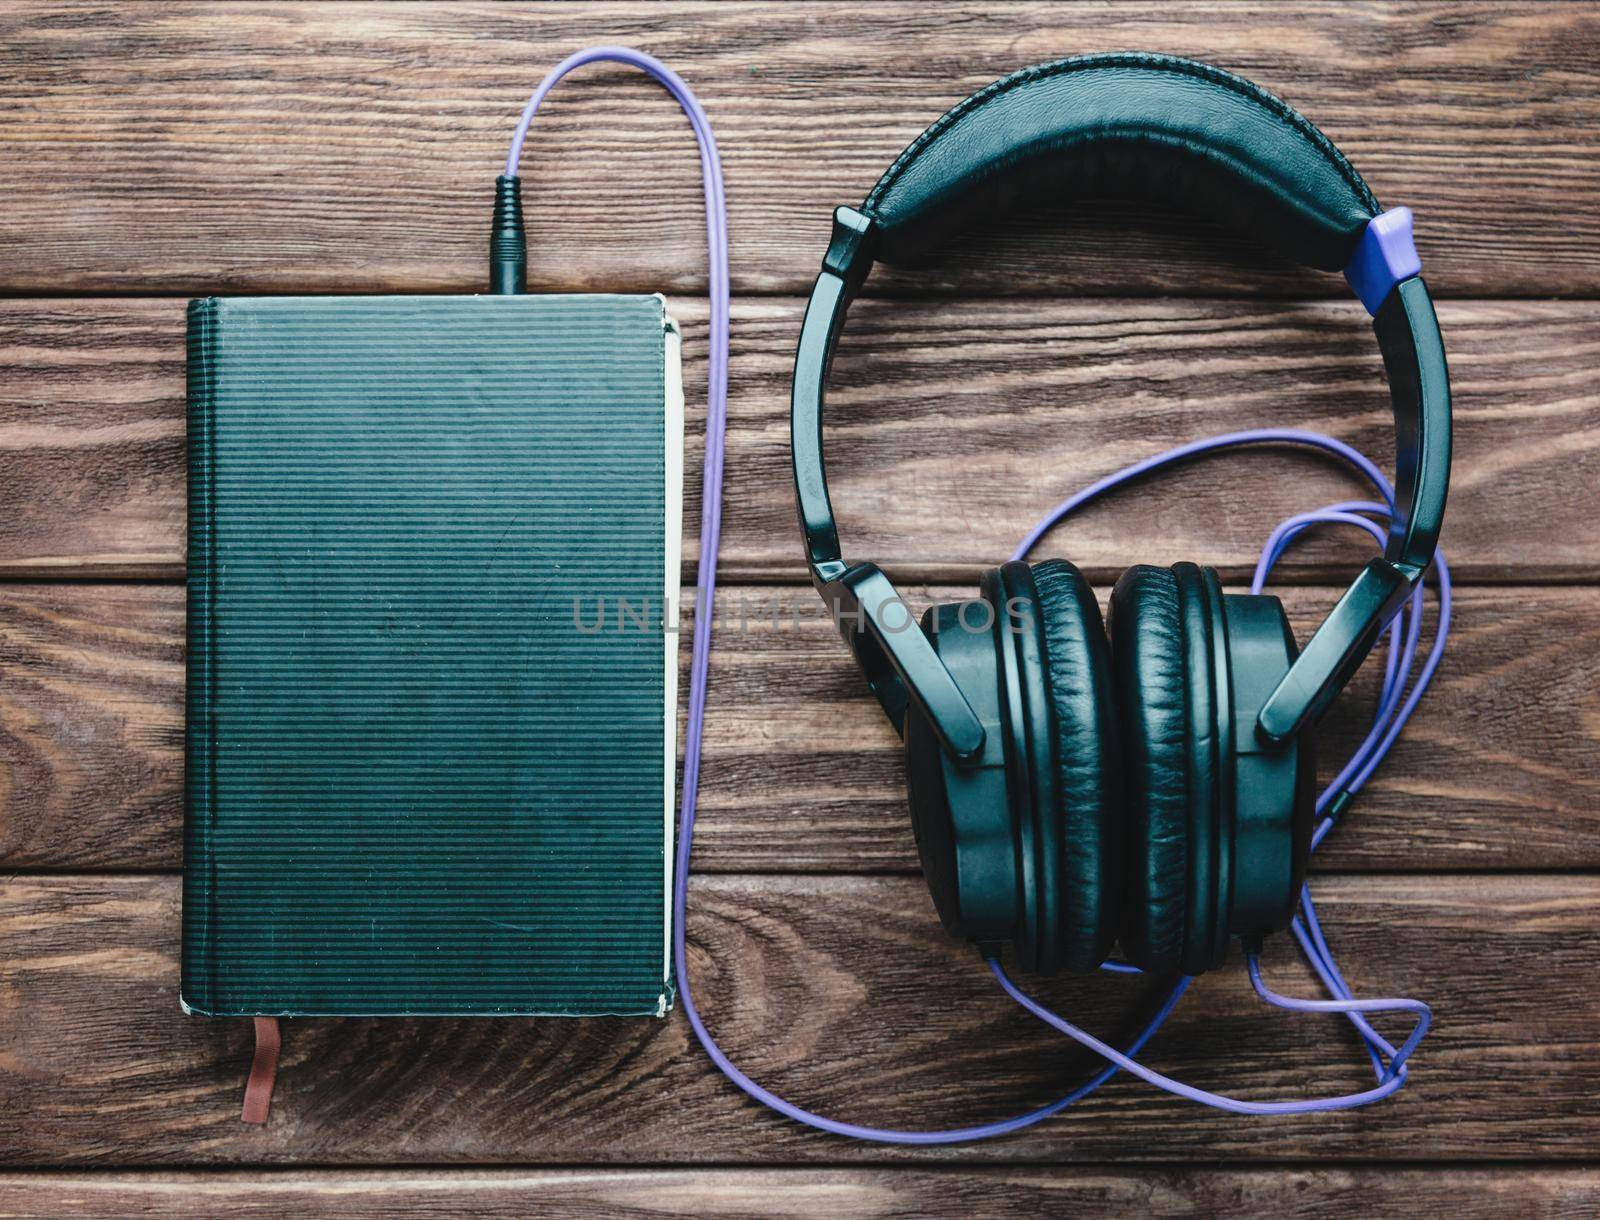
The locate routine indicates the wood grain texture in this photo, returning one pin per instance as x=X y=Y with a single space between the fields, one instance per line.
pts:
x=842 y=993
x=338 y=148
x=1499 y=769
x=1019 y=1193
x=953 y=426
x=179 y=148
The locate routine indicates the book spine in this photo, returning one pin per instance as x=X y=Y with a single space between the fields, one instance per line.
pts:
x=199 y=870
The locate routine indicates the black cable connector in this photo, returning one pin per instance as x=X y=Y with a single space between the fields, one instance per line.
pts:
x=508 y=244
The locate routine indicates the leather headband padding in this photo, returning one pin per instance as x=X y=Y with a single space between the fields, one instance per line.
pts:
x=1154 y=126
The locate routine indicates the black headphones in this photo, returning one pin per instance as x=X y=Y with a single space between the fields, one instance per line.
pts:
x=1154 y=789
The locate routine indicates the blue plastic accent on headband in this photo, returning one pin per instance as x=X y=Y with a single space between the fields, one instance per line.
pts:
x=1385 y=256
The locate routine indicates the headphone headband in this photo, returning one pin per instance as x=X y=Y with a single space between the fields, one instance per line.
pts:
x=1153 y=126
x=1170 y=128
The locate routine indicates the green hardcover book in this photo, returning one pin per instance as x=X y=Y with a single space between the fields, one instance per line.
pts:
x=433 y=572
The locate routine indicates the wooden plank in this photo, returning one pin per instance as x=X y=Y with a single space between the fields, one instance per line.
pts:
x=953 y=427
x=1022 y=1193
x=335 y=148
x=842 y=993
x=1498 y=770
x=91 y=696
x=92 y=422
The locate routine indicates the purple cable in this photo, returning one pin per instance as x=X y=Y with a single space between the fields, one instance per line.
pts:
x=1391 y=718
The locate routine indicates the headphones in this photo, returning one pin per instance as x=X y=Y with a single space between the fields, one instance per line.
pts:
x=1071 y=790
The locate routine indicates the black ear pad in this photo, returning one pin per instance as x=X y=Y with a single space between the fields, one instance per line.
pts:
x=1173 y=693
x=1149 y=683
x=1155 y=126
x=1027 y=725
x=1087 y=763
x=1208 y=758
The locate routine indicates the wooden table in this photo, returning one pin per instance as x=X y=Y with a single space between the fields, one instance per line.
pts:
x=153 y=153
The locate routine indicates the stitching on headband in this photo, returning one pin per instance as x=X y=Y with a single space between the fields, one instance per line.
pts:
x=1161 y=63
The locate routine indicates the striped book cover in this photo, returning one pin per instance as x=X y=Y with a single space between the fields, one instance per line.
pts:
x=433 y=573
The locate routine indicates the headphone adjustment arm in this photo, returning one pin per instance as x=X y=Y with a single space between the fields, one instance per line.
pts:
x=899 y=663
x=850 y=248
x=844 y=269
x=1335 y=652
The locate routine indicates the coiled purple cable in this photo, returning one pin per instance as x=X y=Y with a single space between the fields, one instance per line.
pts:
x=1395 y=706
x=1388 y=1062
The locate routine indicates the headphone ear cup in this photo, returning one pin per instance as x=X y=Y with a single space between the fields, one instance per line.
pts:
x=961 y=814
x=1087 y=762
x=1149 y=688
x=1024 y=844
x=1274 y=791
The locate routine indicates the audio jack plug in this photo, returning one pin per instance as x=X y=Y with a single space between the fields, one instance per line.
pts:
x=508 y=244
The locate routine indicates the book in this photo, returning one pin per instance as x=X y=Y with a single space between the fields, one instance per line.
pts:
x=434 y=555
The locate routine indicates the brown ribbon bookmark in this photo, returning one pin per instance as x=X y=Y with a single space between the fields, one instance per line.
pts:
x=263 y=1072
